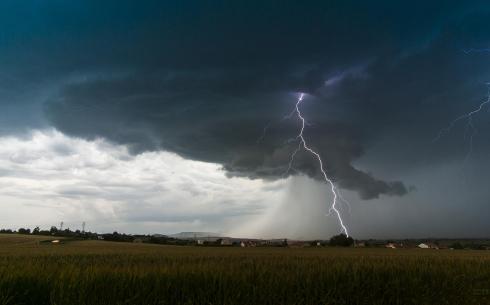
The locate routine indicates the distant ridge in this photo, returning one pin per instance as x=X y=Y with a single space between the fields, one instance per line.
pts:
x=191 y=235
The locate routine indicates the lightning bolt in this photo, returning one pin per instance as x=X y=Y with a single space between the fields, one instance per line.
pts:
x=470 y=127
x=303 y=145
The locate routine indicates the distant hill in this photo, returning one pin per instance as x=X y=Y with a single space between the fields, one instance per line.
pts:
x=192 y=235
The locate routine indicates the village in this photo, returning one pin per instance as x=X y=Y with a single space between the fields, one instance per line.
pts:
x=203 y=239
x=405 y=244
x=200 y=239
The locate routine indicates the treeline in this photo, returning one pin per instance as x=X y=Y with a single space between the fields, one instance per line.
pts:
x=470 y=245
x=86 y=235
x=53 y=231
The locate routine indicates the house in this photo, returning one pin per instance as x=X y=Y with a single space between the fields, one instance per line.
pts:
x=423 y=246
x=432 y=246
x=247 y=243
x=273 y=242
x=297 y=243
x=200 y=242
x=226 y=242
x=390 y=245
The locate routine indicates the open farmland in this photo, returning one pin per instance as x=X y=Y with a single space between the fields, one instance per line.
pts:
x=97 y=272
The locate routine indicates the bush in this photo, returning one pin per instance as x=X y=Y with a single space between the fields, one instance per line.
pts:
x=24 y=231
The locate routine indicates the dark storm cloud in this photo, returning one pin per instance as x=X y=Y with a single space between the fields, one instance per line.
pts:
x=211 y=118
x=203 y=79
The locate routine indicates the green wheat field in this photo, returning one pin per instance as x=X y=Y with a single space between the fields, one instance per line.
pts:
x=98 y=272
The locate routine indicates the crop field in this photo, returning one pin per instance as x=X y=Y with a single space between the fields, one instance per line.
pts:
x=98 y=272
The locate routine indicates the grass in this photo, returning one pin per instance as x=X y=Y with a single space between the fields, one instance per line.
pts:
x=95 y=272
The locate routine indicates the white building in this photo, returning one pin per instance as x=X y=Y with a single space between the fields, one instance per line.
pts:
x=226 y=242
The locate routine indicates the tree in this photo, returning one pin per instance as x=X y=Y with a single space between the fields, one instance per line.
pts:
x=36 y=231
x=457 y=246
x=24 y=231
x=53 y=230
x=341 y=240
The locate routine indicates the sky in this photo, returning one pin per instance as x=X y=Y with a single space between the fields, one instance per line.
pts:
x=169 y=116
